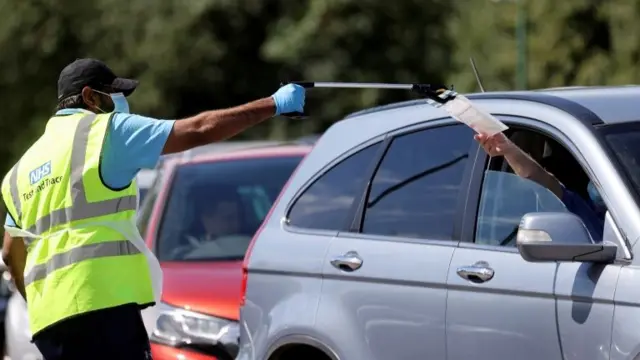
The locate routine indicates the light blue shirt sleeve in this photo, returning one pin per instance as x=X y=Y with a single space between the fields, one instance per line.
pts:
x=132 y=142
x=8 y=221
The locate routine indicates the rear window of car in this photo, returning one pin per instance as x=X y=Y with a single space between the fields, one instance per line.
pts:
x=214 y=208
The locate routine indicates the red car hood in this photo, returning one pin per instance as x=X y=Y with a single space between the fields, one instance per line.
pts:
x=207 y=287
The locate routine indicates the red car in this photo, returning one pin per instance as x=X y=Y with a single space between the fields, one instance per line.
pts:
x=198 y=218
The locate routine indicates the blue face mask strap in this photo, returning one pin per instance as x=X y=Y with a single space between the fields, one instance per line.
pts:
x=120 y=103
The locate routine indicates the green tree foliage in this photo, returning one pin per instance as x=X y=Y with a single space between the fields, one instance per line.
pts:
x=623 y=60
x=574 y=42
x=360 y=40
x=204 y=54
x=193 y=55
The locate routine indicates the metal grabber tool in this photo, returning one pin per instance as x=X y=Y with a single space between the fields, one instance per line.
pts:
x=436 y=95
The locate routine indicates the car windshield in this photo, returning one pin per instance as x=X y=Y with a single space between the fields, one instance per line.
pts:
x=214 y=208
x=624 y=140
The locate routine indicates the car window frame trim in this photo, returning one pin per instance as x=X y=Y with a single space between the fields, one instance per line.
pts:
x=145 y=212
x=162 y=205
x=355 y=220
x=165 y=171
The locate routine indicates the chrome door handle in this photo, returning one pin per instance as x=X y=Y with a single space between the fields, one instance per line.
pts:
x=478 y=273
x=350 y=261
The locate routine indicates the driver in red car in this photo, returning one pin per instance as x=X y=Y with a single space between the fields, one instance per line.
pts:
x=218 y=226
x=222 y=216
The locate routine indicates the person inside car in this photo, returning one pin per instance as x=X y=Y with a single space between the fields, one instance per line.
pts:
x=218 y=226
x=591 y=210
x=220 y=217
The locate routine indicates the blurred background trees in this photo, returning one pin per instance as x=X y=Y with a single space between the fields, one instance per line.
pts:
x=192 y=55
x=573 y=42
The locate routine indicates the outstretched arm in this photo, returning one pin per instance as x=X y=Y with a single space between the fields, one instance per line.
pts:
x=218 y=125
x=523 y=165
x=135 y=142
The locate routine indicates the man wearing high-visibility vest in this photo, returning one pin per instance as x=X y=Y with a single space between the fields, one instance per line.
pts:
x=71 y=242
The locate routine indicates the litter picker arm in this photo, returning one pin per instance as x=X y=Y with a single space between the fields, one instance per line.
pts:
x=458 y=106
x=436 y=94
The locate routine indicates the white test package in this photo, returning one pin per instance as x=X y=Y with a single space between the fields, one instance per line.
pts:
x=463 y=110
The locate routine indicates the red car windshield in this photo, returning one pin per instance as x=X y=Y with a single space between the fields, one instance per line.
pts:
x=213 y=209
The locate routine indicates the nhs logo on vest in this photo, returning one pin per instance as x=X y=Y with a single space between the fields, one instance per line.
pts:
x=40 y=172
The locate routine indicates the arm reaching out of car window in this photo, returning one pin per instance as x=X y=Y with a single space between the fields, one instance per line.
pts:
x=523 y=165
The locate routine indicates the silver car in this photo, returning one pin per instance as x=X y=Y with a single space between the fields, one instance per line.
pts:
x=399 y=238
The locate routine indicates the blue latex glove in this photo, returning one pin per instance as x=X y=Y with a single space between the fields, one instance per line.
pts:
x=289 y=98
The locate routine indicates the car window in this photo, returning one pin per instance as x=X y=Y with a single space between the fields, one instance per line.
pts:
x=415 y=191
x=504 y=200
x=625 y=143
x=325 y=205
x=214 y=208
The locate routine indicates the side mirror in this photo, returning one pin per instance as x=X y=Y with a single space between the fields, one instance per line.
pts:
x=561 y=236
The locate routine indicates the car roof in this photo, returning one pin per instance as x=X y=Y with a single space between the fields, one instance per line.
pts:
x=612 y=104
x=595 y=105
x=219 y=147
x=246 y=153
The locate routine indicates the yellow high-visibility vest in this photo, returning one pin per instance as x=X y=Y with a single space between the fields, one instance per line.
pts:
x=77 y=263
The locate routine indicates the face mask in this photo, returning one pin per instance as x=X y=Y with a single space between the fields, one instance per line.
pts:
x=120 y=103
x=595 y=197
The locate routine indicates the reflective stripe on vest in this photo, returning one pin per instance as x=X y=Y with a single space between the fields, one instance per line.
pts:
x=80 y=209
x=75 y=255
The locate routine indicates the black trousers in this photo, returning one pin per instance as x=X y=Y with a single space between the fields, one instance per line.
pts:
x=109 y=334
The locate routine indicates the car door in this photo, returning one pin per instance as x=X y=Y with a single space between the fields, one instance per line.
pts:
x=585 y=308
x=384 y=281
x=585 y=292
x=499 y=306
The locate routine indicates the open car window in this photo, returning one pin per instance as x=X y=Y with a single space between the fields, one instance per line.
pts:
x=214 y=208
x=505 y=199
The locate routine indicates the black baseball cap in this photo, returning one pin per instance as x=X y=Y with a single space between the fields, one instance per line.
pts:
x=93 y=73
